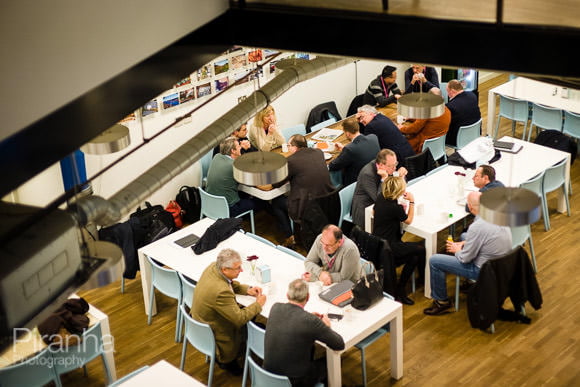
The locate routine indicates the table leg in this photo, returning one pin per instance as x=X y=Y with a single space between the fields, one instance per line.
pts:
x=108 y=339
x=146 y=282
x=333 y=368
x=430 y=249
x=490 y=112
x=561 y=197
x=396 y=338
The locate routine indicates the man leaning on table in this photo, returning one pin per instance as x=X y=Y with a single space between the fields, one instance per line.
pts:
x=483 y=241
x=332 y=258
x=214 y=303
x=290 y=336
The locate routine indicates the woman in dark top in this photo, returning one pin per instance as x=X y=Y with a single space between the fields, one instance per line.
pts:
x=387 y=224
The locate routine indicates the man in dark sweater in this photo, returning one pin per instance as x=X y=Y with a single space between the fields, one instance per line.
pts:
x=464 y=109
x=383 y=90
x=290 y=336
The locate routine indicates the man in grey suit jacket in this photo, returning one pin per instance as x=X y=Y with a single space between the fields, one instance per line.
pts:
x=290 y=336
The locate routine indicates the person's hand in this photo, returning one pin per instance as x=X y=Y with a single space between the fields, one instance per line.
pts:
x=267 y=187
x=319 y=315
x=453 y=247
x=403 y=172
x=255 y=291
x=325 y=320
x=382 y=173
x=306 y=276
x=409 y=196
x=325 y=278
x=397 y=96
x=261 y=299
x=272 y=128
x=339 y=146
x=245 y=144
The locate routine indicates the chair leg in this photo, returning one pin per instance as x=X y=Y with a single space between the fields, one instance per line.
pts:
x=513 y=128
x=211 y=367
x=122 y=285
x=530 y=132
x=183 y=352
x=413 y=287
x=178 y=324
x=107 y=370
x=151 y=301
x=252 y=222
x=245 y=374
x=457 y=280
x=545 y=213
x=363 y=366
x=531 y=243
x=524 y=130
x=566 y=198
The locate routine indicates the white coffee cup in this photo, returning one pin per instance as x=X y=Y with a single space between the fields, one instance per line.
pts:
x=400 y=119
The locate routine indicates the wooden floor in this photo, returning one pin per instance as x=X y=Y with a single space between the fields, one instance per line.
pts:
x=440 y=351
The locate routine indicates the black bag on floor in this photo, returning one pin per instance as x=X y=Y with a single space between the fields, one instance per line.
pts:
x=189 y=200
x=557 y=140
x=154 y=223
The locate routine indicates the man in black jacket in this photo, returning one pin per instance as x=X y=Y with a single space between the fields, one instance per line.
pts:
x=464 y=109
x=290 y=336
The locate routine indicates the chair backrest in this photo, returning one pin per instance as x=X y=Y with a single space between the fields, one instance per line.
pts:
x=322 y=112
x=571 y=124
x=291 y=252
x=296 y=129
x=205 y=163
x=420 y=164
x=534 y=184
x=198 y=334
x=35 y=371
x=322 y=124
x=213 y=206
x=555 y=176
x=513 y=108
x=356 y=102
x=187 y=290
x=256 y=339
x=368 y=266
x=468 y=133
x=546 y=117
x=436 y=145
x=345 y=195
x=263 y=378
x=165 y=280
x=261 y=239
x=520 y=235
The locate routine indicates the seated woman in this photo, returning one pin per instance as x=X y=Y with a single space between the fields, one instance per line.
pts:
x=264 y=133
x=387 y=224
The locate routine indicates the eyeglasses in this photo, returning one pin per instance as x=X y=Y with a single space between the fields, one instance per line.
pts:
x=239 y=268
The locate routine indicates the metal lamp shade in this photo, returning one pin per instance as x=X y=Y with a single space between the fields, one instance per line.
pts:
x=111 y=140
x=508 y=206
x=420 y=105
x=260 y=168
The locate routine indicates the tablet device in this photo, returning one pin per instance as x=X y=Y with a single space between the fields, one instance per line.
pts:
x=188 y=240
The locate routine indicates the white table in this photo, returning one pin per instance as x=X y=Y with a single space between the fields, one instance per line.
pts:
x=159 y=374
x=355 y=326
x=532 y=91
x=437 y=194
x=264 y=195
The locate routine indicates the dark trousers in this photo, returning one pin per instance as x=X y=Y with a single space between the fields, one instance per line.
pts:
x=277 y=208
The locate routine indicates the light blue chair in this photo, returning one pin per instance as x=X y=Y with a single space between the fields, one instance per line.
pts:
x=69 y=358
x=535 y=185
x=364 y=343
x=322 y=124
x=296 y=129
x=443 y=88
x=554 y=178
x=167 y=282
x=187 y=290
x=254 y=345
x=520 y=235
x=263 y=378
x=201 y=337
x=437 y=147
x=571 y=124
x=336 y=178
x=216 y=207
x=261 y=239
x=291 y=252
x=513 y=109
x=345 y=196
x=546 y=118
x=128 y=376
x=35 y=371
x=468 y=133
x=205 y=163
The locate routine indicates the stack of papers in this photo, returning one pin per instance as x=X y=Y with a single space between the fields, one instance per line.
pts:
x=326 y=134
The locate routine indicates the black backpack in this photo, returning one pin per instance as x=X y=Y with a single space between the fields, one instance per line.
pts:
x=557 y=140
x=189 y=200
x=150 y=224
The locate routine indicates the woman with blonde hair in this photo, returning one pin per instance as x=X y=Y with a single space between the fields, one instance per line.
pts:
x=264 y=133
x=387 y=224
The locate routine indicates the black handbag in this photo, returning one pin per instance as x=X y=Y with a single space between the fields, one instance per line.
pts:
x=369 y=288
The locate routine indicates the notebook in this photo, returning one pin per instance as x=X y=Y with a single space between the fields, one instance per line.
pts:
x=339 y=294
x=507 y=146
x=188 y=240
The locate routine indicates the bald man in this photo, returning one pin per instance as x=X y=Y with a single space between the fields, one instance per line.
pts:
x=483 y=241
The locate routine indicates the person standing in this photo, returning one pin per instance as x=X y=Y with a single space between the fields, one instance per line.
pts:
x=464 y=109
x=290 y=336
x=383 y=90
x=264 y=133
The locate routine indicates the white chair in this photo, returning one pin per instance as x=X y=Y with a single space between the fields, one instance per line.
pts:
x=468 y=133
x=546 y=118
x=345 y=196
x=255 y=345
x=263 y=378
x=513 y=109
x=201 y=337
x=571 y=124
x=291 y=252
x=322 y=124
x=261 y=239
x=296 y=129
x=535 y=185
x=216 y=207
x=35 y=371
x=554 y=178
x=520 y=235
x=187 y=290
x=437 y=147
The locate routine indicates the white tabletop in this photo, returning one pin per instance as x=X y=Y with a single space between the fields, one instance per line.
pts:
x=160 y=374
x=264 y=195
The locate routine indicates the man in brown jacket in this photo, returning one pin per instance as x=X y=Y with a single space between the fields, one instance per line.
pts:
x=214 y=303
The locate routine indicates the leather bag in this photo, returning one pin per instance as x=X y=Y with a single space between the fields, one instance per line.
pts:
x=369 y=288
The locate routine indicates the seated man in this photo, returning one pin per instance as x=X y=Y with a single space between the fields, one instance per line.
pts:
x=420 y=75
x=214 y=303
x=464 y=109
x=419 y=130
x=290 y=336
x=386 y=131
x=383 y=90
x=332 y=258
x=241 y=134
x=369 y=181
x=483 y=241
x=355 y=155
x=484 y=179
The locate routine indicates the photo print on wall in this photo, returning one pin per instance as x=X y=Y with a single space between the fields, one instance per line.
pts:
x=171 y=100
x=150 y=108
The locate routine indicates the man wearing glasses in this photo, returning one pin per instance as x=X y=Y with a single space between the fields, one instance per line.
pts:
x=332 y=258
x=214 y=303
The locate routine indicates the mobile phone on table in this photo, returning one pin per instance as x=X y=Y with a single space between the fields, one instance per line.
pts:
x=334 y=316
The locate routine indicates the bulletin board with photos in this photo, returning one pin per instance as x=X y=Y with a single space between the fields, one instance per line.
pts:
x=217 y=75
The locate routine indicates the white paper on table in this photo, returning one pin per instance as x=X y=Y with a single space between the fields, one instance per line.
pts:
x=479 y=149
x=327 y=134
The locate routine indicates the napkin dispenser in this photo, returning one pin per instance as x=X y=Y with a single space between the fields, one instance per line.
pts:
x=263 y=274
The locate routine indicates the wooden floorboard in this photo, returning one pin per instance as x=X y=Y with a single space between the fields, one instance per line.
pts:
x=442 y=351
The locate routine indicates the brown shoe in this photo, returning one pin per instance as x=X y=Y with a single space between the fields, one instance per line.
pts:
x=438 y=308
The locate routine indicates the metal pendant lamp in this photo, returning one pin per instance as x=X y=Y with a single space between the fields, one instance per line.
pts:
x=420 y=105
x=260 y=168
x=509 y=206
x=111 y=140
